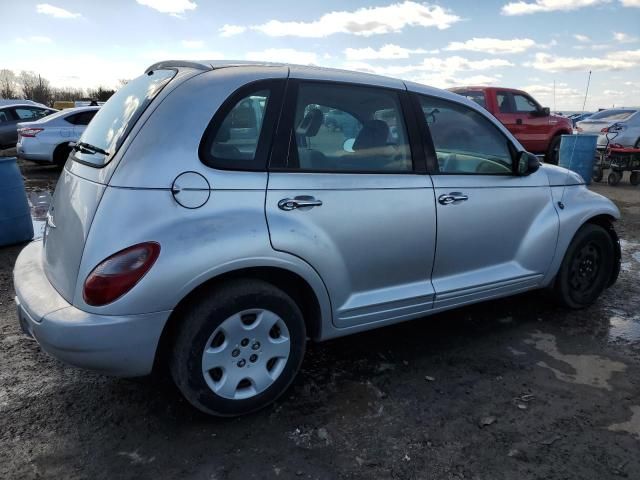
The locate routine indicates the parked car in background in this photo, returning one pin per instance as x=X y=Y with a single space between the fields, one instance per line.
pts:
x=171 y=242
x=533 y=125
x=578 y=117
x=47 y=140
x=621 y=125
x=12 y=114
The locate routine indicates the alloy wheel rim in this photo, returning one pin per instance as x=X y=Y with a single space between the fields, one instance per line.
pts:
x=585 y=269
x=246 y=354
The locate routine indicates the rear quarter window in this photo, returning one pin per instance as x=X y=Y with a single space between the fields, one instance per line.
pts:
x=110 y=126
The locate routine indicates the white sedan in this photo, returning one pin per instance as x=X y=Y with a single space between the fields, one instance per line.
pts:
x=47 y=140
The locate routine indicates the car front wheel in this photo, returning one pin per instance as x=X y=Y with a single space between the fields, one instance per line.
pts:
x=238 y=348
x=586 y=268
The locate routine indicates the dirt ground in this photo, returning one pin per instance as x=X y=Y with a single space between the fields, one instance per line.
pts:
x=510 y=389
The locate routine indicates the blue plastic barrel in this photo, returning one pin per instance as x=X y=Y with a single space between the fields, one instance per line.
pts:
x=577 y=153
x=15 y=216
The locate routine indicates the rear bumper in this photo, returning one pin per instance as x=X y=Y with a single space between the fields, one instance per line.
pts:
x=27 y=152
x=116 y=345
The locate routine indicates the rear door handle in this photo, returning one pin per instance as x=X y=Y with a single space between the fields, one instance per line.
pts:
x=288 y=204
x=452 y=198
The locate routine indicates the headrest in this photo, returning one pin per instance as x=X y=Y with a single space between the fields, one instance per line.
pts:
x=311 y=123
x=374 y=134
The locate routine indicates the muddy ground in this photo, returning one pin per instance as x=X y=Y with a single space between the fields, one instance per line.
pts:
x=510 y=389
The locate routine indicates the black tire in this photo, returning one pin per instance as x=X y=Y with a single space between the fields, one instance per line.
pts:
x=586 y=268
x=598 y=174
x=60 y=154
x=634 y=178
x=199 y=322
x=553 y=153
x=614 y=178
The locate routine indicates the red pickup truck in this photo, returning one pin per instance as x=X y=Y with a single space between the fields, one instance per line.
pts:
x=534 y=126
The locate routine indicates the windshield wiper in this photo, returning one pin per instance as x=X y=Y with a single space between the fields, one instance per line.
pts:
x=83 y=147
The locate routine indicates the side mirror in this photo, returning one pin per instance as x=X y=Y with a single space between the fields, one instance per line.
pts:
x=527 y=164
x=544 y=112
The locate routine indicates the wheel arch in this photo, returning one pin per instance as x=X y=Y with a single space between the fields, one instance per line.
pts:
x=313 y=303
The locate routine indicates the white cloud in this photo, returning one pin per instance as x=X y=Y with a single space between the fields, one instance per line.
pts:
x=439 y=72
x=36 y=39
x=176 y=8
x=551 y=63
x=365 y=21
x=546 y=91
x=284 y=55
x=493 y=46
x=630 y=3
x=192 y=43
x=613 y=93
x=624 y=37
x=386 y=52
x=626 y=55
x=581 y=38
x=56 y=12
x=231 y=30
x=523 y=8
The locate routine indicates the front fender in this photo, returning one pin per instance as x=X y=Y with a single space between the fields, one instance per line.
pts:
x=580 y=206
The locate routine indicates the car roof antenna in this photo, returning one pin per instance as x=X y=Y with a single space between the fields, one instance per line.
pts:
x=584 y=103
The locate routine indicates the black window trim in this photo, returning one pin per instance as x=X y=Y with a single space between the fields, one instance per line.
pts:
x=276 y=88
x=285 y=145
x=433 y=167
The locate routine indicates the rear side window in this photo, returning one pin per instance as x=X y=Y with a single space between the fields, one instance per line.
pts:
x=116 y=118
x=475 y=95
x=4 y=116
x=82 y=118
x=240 y=133
x=465 y=141
x=346 y=128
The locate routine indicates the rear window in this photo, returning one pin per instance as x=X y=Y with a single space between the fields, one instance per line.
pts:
x=612 y=115
x=110 y=126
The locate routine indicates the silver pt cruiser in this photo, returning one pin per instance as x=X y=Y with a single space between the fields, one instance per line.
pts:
x=210 y=218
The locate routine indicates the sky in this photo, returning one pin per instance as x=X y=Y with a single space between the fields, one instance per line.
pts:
x=526 y=44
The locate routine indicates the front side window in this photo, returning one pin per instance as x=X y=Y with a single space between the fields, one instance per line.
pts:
x=464 y=140
x=524 y=104
x=344 y=128
x=25 y=113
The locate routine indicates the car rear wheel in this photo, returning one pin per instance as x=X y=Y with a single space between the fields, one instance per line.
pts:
x=553 y=153
x=238 y=348
x=61 y=153
x=586 y=268
x=614 y=178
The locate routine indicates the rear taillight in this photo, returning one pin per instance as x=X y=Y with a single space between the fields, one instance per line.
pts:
x=29 y=132
x=116 y=275
x=613 y=128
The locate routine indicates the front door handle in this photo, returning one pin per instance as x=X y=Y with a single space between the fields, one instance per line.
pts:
x=452 y=198
x=288 y=204
x=518 y=121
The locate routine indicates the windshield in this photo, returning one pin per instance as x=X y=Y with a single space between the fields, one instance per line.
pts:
x=112 y=123
x=612 y=115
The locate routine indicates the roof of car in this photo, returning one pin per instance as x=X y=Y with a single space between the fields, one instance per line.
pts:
x=312 y=72
x=14 y=105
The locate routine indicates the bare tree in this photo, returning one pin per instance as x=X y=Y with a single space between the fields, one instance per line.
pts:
x=8 y=84
x=66 y=93
x=100 y=94
x=35 y=88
